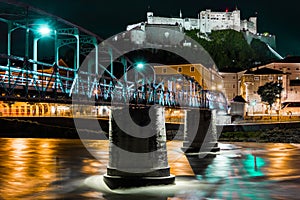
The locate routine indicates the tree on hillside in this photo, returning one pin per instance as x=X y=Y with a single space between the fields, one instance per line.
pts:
x=270 y=92
x=228 y=48
x=261 y=50
x=230 y=51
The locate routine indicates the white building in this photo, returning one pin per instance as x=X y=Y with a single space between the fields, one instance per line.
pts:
x=206 y=21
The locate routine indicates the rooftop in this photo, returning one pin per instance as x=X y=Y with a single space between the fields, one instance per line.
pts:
x=264 y=71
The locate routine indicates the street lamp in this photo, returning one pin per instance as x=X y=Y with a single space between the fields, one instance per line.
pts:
x=44 y=30
x=137 y=69
x=41 y=32
x=142 y=65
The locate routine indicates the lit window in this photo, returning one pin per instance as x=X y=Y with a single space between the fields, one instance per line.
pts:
x=192 y=69
x=279 y=78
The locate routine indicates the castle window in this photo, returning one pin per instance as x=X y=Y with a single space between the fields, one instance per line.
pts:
x=256 y=78
x=192 y=69
x=233 y=86
x=179 y=69
x=164 y=70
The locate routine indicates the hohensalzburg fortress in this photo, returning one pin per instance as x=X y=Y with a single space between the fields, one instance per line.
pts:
x=206 y=22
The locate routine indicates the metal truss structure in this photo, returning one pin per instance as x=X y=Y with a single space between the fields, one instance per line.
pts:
x=32 y=80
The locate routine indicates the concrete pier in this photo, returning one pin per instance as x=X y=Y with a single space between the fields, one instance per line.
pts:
x=138 y=153
x=200 y=131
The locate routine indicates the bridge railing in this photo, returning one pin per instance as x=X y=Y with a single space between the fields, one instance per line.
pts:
x=108 y=90
x=50 y=80
x=21 y=79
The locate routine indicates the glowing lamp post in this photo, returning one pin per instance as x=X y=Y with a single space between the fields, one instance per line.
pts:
x=42 y=31
x=142 y=65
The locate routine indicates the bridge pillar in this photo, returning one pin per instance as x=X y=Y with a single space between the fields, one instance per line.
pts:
x=200 y=131
x=137 y=152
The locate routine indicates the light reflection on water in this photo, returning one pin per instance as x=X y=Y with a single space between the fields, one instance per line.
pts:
x=58 y=168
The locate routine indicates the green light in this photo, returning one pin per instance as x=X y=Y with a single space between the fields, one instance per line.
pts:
x=44 y=30
x=140 y=65
x=253 y=165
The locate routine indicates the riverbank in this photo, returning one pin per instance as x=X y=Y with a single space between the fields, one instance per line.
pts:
x=285 y=131
x=64 y=127
x=275 y=135
x=51 y=127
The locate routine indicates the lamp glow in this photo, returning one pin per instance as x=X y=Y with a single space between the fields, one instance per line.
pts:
x=44 y=30
x=140 y=65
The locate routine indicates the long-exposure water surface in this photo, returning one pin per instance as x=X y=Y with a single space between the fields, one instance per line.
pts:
x=64 y=169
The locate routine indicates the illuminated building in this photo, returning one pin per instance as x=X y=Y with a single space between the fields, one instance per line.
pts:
x=246 y=83
x=208 y=78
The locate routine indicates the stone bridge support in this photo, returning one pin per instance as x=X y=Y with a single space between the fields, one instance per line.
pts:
x=200 y=131
x=137 y=152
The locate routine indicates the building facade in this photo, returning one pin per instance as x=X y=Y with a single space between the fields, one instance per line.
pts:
x=246 y=84
x=231 y=84
x=208 y=78
x=206 y=21
x=210 y=21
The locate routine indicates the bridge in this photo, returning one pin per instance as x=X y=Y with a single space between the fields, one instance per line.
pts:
x=103 y=75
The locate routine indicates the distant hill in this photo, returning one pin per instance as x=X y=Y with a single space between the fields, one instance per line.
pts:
x=230 y=50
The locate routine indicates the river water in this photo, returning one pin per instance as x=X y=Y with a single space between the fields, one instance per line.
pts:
x=65 y=169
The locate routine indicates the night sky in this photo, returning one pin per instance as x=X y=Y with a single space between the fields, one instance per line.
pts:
x=110 y=17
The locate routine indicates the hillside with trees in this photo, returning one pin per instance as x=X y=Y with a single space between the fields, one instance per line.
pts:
x=230 y=50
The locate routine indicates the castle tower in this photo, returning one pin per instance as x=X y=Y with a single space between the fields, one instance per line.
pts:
x=254 y=21
x=150 y=17
x=236 y=20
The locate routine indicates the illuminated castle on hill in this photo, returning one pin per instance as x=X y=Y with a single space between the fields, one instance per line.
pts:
x=208 y=21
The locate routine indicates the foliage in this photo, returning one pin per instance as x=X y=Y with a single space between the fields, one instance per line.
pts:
x=277 y=135
x=270 y=92
x=261 y=50
x=230 y=50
